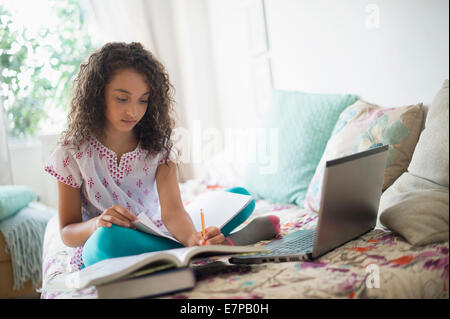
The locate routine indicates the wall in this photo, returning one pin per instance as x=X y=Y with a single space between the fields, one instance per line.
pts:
x=27 y=165
x=388 y=52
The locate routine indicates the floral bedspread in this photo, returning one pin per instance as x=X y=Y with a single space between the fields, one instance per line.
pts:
x=379 y=264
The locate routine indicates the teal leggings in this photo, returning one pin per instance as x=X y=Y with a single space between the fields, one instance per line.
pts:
x=117 y=241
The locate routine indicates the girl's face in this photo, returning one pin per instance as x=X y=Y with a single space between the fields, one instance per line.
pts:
x=126 y=97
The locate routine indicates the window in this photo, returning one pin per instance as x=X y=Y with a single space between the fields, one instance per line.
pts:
x=41 y=49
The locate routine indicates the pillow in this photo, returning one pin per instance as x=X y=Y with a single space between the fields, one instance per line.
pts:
x=430 y=158
x=13 y=198
x=416 y=206
x=362 y=126
x=417 y=209
x=302 y=123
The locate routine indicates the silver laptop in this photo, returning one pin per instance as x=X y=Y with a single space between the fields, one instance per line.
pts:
x=351 y=194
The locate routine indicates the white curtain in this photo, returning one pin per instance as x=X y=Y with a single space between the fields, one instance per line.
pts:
x=122 y=20
x=5 y=167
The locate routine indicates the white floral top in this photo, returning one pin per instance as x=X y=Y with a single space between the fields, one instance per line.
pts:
x=103 y=183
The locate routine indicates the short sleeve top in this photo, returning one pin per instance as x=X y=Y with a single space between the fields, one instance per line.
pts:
x=93 y=168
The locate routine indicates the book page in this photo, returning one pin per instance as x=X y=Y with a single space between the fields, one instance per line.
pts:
x=113 y=268
x=186 y=254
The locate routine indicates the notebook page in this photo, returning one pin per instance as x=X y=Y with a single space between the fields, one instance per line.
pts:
x=144 y=224
x=218 y=207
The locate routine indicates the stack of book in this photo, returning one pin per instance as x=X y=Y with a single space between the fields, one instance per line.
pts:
x=150 y=274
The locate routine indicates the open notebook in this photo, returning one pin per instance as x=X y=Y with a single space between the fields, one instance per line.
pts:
x=219 y=207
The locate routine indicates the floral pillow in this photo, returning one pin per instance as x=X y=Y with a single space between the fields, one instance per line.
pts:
x=362 y=126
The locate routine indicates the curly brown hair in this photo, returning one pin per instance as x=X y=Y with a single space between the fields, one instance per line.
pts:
x=87 y=106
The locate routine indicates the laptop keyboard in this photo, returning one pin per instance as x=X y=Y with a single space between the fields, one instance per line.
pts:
x=297 y=242
x=300 y=243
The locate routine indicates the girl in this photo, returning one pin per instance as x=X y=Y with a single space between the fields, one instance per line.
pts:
x=116 y=160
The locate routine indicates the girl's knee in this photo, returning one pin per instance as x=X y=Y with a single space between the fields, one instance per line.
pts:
x=105 y=238
x=241 y=190
x=238 y=190
x=243 y=215
x=117 y=241
x=104 y=243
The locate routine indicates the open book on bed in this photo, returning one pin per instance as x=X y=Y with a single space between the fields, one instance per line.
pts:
x=219 y=207
x=112 y=269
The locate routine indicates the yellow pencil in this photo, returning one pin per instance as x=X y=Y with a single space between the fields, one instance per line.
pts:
x=203 y=223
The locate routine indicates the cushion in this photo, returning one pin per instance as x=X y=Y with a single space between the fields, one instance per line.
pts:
x=362 y=126
x=430 y=159
x=416 y=206
x=294 y=134
x=13 y=198
x=420 y=215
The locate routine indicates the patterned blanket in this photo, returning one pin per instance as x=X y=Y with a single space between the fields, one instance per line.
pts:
x=379 y=264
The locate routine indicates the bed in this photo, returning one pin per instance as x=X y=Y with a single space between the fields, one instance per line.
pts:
x=405 y=256
x=380 y=264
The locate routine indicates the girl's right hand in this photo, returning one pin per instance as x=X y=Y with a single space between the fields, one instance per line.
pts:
x=213 y=237
x=117 y=215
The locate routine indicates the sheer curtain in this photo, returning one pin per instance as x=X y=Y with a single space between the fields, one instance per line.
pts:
x=122 y=20
x=5 y=167
x=161 y=26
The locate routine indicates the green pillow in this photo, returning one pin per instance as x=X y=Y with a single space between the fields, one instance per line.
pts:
x=304 y=122
x=13 y=198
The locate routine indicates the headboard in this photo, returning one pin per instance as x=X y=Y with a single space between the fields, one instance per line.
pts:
x=390 y=53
